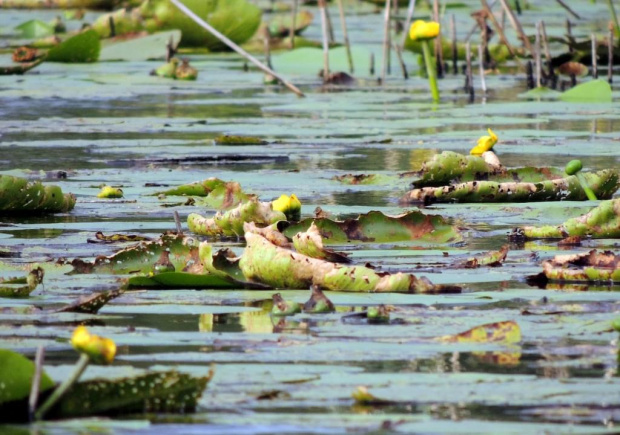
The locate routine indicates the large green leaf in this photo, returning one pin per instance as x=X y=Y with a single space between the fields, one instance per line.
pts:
x=81 y=48
x=595 y=91
x=236 y=19
x=380 y=228
x=163 y=392
x=19 y=196
x=16 y=372
x=171 y=252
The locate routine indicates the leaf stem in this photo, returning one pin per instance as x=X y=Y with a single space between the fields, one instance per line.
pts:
x=60 y=391
x=589 y=193
x=430 y=70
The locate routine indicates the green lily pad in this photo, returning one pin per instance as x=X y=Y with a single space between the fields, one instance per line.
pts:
x=18 y=196
x=380 y=228
x=16 y=373
x=602 y=221
x=595 y=91
x=81 y=48
x=180 y=280
x=166 y=392
x=170 y=252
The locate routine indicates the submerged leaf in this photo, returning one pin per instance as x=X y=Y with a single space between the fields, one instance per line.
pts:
x=143 y=48
x=90 y=304
x=380 y=228
x=600 y=222
x=282 y=307
x=183 y=280
x=238 y=140
x=507 y=332
x=318 y=302
x=490 y=259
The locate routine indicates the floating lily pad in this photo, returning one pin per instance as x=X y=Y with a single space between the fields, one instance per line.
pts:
x=18 y=195
x=164 y=392
x=16 y=378
x=231 y=222
x=595 y=91
x=600 y=222
x=590 y=267
x=279 y=267
x=380 y=228
x=81 y=48
x=170 y=252
x=603 y=183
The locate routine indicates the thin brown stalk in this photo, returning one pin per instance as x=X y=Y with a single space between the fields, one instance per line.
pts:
x=234 y=46
x=386 y=39
x=345 y=35
x=517 y=26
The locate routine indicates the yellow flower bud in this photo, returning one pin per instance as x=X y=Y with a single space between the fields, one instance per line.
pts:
x=110 y=192
x=421 y=30
x=290 y=206
x=100 y=350
x=485 y=143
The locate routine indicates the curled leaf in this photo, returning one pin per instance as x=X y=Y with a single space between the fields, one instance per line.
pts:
x=231 y=222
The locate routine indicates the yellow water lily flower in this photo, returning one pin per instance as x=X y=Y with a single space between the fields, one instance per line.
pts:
x=421 y=30
x=100 y=350
x=485 y=143
x=110 y=192
x=289 y=205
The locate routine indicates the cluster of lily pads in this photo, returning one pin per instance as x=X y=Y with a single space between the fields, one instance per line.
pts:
x=284 y=251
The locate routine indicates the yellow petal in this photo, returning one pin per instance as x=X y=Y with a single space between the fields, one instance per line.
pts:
x=100 y=350
x=281 y=204
x=421 y=30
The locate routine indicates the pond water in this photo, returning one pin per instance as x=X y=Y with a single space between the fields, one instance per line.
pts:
x=112 y=123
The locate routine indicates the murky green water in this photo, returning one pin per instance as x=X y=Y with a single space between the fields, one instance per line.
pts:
x=112 y=123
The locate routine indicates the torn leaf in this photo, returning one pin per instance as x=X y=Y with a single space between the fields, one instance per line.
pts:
x=231 y=222
x=380 y=228
x=279 y=267
x=310 y=243
x=507 y=332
